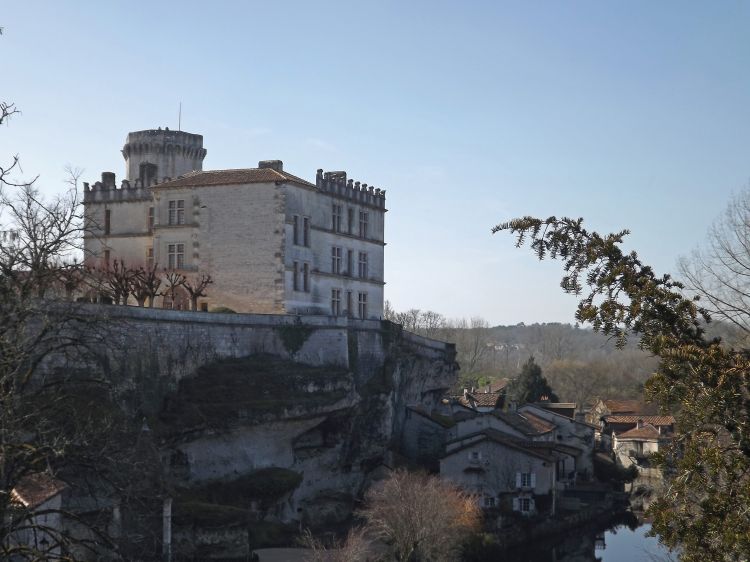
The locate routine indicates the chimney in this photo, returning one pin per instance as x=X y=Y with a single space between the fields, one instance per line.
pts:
x=640 y=424
x=277 y=165
x=108 y=180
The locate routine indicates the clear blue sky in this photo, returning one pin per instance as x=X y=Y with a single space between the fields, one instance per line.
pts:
x=631 y=114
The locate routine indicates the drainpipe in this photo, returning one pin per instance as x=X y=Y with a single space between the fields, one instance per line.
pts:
x=166 y=543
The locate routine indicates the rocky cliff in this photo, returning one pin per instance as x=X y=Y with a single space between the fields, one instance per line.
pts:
x=262 y=420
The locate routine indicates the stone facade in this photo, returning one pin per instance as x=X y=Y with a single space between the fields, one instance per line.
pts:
x=272 y=242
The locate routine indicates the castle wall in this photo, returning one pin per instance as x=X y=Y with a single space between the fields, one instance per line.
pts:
x=232 y=233
x=317 y=205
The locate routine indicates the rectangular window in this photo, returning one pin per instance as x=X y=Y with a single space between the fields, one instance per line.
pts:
x=335 y=302
x=150 y=223
x=176 y=256
x=204 y=307
x=362 y=305
x=335 y=259
x=364 y=219
x=306 y=277
x=350 y=220
x=150 y=258
x=525 y=504
x=306 y=231
x=475 y=455
x=295 y=230
x=363 y=265
x=526 y=479
x=336 y=218
x=489 y=501
x=295 y=277
x=177 y=212
x=349 y=309
x=107 y=221
x=106 y=258
x=349 y=262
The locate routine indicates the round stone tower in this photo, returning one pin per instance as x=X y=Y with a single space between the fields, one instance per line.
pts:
x=158 y=153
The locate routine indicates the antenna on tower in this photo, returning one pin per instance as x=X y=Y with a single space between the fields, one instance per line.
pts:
x=179 y=118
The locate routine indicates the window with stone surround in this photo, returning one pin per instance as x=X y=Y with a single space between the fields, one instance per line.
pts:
x=176 y=256
x=150 y=258
x=335 y=259
x=176 y=212
x=363 y=269
x=306 y=231
x=295 y=230
x=107 y=221
x=335 y=302
x=306 y=277
x=350 y=221
x=295 y=277
x=336 y=217
x=364 y=224
x=362 y=302
x=150 y=220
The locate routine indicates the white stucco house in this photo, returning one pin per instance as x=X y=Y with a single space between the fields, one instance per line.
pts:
x=504 y=470
x=572 y=432
x=271 y=241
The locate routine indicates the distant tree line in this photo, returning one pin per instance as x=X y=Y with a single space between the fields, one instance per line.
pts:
x=579 y=364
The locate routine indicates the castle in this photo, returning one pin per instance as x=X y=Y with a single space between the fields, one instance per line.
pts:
x=272 y=242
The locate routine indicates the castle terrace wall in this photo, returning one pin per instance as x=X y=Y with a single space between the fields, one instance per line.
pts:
x=181 y=341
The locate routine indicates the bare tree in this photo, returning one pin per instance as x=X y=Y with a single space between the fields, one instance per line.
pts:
x=356 y=547
x=119 y=280
x=719 y=272
x=420 y=517
x=196 y=288
x=145 y=285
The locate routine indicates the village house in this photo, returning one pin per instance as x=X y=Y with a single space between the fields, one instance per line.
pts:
x=271 y=241
x=634 y=446
x=38 y=500
x=506 y=472
x=571 y=432
x=619 y=423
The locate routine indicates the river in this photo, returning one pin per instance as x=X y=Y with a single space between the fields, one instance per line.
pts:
x=624 y=541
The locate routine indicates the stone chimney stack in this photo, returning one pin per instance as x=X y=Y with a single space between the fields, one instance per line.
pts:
x=108 y=180
x=277 y=165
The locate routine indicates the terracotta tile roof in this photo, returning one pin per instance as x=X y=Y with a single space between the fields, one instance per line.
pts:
x=35 y=489
x=485 y=400
x=526 y=423
x=624 y=406
x=627 y=419
x=502 y=439
x=231 y=177
x=497 y=386
x=647 y=431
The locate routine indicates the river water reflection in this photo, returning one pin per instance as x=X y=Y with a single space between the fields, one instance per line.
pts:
x=621 y=542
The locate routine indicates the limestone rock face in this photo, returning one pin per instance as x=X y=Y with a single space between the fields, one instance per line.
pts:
x=234 y=398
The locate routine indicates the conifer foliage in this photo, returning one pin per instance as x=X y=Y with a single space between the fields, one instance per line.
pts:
x=531 y=385
x=704 y=381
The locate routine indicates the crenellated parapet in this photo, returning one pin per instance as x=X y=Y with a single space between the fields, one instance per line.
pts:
x=106 y=190
x=336 y=183
x=167 y=153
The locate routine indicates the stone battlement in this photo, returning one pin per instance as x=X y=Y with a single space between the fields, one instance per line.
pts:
x=337 y=183
x=156 y=141
x=106 y=190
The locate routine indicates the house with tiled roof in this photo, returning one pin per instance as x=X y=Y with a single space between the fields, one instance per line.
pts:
x=505 y=471
x=634 y=446
x=570 y=432
x=271 y=241
x=37 y=503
